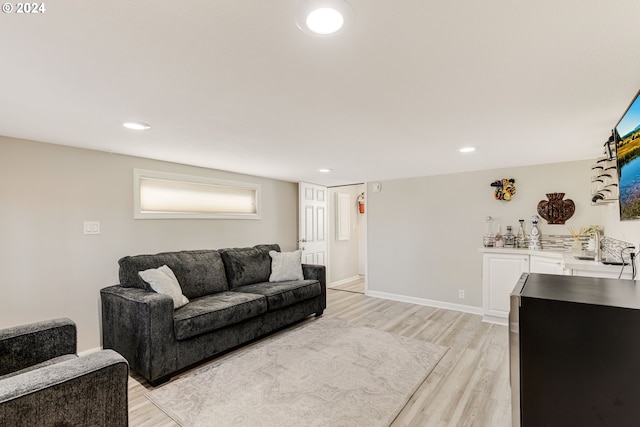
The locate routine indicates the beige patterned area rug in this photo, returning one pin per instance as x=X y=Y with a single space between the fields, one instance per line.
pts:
x=325 y=372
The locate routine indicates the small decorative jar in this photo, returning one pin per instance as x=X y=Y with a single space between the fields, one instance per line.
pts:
x=488 y=239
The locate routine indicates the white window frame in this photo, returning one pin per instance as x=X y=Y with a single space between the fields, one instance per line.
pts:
x=138 y=213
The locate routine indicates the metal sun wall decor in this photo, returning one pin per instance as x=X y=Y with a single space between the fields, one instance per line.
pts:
x=555 y=210
x=505 y=189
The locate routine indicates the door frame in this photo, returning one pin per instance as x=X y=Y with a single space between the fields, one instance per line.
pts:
x=302 y=226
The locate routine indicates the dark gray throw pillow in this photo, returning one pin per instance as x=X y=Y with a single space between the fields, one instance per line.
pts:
x=245 y=266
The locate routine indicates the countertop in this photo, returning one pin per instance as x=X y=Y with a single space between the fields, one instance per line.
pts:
x=541 y=252
x=568 y=257
x=584 y=290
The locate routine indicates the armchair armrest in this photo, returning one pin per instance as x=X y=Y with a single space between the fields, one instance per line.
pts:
x=138 y=324
x=27 y=345
x=88 y=390
x=319 y=273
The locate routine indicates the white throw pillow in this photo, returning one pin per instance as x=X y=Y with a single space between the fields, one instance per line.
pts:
x=286 y=266
x=163 y=281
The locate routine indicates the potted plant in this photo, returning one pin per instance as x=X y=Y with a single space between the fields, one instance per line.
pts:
x=591 y=232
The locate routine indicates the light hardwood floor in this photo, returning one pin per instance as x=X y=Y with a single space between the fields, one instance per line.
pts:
x=356 y=285
x=468 y=387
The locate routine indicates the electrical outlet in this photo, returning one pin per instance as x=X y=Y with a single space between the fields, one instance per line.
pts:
x=461 y=293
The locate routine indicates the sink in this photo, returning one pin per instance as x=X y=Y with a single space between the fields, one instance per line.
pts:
x=604 y=261
x=614 y=262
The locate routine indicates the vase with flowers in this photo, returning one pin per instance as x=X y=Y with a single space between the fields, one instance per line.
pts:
x=576 y=245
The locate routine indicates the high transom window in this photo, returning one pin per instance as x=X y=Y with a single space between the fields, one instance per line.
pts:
x=168 y=195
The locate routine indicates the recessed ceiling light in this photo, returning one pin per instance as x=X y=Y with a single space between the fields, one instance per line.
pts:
x=467 y=149
x=323 y=17
x=136 y=125
x=324 y=21
x=325 y=170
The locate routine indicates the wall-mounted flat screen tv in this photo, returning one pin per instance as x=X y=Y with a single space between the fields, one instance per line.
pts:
x=627 y=134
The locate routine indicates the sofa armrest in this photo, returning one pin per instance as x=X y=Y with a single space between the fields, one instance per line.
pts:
x=89 y=390
x=27 y=345
x=319 y=273
x=138 y=324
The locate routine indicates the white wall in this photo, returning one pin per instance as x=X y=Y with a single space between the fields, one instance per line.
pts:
x=346 y=256
x=49 y=268
x=628 y=231
x=424 y=233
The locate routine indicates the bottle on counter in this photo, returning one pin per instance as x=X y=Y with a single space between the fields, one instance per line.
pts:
x=509 y=238
x=534 y=234
x=521 y=239
x=499 y=243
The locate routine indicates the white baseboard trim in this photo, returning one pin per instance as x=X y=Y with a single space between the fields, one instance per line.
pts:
x=427 y=302
x=89 y=351
x=496 y=320
x=343 y=281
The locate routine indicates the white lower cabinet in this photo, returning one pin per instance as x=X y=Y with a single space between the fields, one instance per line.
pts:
x=546 y=265
x=500 y=273
x=603 y=274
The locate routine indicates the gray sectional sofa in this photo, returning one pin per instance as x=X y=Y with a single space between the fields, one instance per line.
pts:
x=231 y=302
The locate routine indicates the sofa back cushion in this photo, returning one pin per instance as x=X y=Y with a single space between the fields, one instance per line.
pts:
x=245 y=266
x=198 y=272
x=267 y=248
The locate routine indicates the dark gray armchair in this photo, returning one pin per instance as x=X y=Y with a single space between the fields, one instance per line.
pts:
x=44 y=383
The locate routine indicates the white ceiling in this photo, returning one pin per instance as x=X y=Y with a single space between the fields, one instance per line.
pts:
x=235 y=85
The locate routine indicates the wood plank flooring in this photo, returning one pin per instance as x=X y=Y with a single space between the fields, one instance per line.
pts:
x=356 y=285
x=468 y=387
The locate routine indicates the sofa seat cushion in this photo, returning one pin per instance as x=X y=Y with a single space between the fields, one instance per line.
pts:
x=216 y=311
x=282 y=294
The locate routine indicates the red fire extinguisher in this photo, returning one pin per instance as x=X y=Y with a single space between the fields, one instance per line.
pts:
x=361 y=203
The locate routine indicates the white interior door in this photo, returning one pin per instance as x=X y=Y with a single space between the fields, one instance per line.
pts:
x=313 y=223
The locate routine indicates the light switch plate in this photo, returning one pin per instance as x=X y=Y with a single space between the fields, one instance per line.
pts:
x=92 y=227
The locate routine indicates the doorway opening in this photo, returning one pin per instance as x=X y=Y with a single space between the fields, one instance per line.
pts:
x=347 y=238
x=332 y=232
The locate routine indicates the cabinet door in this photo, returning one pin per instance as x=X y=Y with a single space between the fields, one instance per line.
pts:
x=604 y=274
x=500 y=274
x=546 y=265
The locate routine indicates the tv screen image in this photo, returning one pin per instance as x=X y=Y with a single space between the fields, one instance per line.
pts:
x=628 y=158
